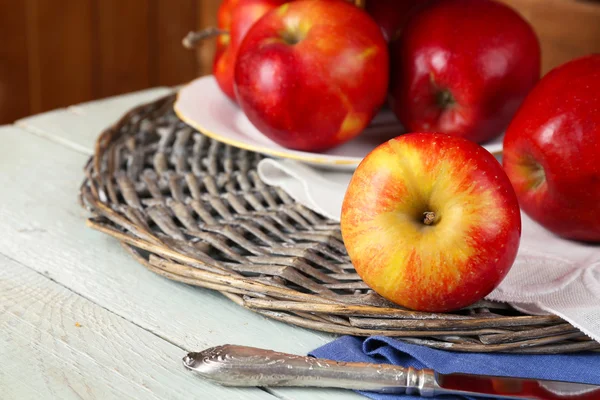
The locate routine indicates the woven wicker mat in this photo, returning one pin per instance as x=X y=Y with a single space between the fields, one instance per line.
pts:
x=195 y=211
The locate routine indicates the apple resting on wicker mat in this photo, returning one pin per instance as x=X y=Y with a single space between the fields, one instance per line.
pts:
x=431 y=221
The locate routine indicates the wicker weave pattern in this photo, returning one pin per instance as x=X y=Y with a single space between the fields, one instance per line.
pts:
x=194 y=210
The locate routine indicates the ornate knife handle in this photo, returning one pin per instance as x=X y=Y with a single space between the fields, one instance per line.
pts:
x=231 y=365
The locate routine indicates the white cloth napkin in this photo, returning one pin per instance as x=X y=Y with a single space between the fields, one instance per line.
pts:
x=550 y=274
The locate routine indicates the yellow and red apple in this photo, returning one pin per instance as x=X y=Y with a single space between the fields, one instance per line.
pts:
x=431 y=221
x=310 y=75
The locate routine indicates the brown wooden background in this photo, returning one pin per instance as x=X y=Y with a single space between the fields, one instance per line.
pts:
x=55 y=53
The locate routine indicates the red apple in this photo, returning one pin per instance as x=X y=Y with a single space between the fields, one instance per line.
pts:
x=311 y=75
x=552 y=151
x=235 y=18
x=431 y=221
x=463 y=67
x=391 y=15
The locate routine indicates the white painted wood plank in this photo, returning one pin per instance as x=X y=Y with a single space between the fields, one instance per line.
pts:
x=43 y=227
x=78 y=126
x=111 y=109
x=54 y=344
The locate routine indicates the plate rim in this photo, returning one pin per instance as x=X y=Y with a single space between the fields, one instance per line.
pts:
x=303 y=156
x=290 y=154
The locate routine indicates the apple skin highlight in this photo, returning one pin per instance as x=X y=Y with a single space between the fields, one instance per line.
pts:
x=234 y=20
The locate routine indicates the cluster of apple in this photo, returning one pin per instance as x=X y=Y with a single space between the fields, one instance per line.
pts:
x=308 y=74
x=311 y=74
x=430 y=220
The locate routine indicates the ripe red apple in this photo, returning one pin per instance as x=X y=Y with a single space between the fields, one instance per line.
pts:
x=391 y=15
x=552 y=151
x=235 y=18
x=463 y=67
x=431 y=221
x=311 y=75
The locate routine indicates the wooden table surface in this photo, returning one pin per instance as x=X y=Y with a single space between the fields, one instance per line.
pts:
x=80 y=319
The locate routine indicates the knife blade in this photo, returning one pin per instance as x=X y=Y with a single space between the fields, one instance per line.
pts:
x=242 y=366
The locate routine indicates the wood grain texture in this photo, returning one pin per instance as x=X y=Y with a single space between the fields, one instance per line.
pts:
x=54 y=53
x=14 y=71
x=121 y=46
x=207 y=17
x=172 y=63
x=55 y=344
x=567 y=29
x=43 y=217
x=60 y=55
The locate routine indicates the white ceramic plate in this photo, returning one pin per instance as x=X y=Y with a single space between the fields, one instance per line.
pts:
x=202 y=105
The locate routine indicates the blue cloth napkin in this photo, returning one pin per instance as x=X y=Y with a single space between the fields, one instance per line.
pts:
x=578 y=367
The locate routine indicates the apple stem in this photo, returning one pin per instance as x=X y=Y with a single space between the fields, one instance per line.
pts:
x=428 y=217
x=192 y=39
x=444 y=99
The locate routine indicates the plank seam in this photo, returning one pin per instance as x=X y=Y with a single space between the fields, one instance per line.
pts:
x=92 y=301
x=269 y=391
x=53 y=138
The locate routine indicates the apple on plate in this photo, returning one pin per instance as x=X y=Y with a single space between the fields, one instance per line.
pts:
x=311 y=75
x=552 y=151
x=463 y=67
x=234 y=20
x=431 y=222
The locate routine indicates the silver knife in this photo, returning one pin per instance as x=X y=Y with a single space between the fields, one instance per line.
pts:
x=242 y=366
